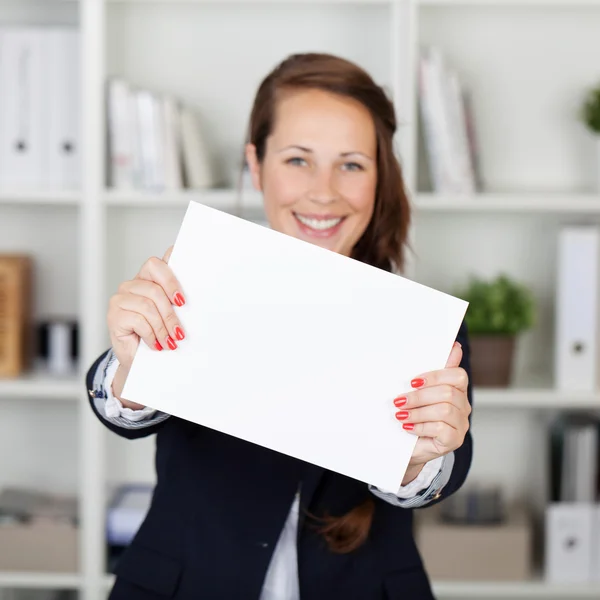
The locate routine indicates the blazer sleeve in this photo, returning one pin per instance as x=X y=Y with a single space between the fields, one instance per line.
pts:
x=464 y=454
x=96 y=393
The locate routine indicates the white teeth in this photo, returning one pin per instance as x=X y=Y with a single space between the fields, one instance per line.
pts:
x=319 y=224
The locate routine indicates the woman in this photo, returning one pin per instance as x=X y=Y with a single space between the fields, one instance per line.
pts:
x=232 y=520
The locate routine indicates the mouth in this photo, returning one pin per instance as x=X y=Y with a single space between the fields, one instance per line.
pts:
x=319 y=225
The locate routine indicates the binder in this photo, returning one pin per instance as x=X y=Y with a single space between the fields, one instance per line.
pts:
x=596 y=546
x=577 y=357
x=197 y=162
x=63 y=92
x=149 y=132
x=569 y=542
x=171 y=143
x=24 y=107
x=121 y=140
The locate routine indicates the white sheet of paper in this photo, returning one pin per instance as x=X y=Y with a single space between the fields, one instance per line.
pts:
x=294 y=347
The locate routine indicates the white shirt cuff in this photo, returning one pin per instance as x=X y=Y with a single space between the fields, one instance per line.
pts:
x=113 y=407
x=423 y=480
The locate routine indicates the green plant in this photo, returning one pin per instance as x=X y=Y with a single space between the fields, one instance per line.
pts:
x=590 y=111
x=498 y=306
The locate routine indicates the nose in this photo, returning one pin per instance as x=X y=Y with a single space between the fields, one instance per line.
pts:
x=323 y=189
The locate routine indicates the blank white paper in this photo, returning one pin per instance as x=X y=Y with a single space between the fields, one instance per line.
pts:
x=294 y=347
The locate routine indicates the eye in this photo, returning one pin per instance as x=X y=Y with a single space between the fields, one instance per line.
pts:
x=352 y=166
x=296 y=161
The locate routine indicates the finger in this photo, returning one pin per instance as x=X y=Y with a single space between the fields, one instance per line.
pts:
x=441 y=432
x=443 y=413
x=132 y=304
x=455 y=357
x=156 y=270
x=454 y=376
x=154 y=293
x=167 y=255
x=130 y=321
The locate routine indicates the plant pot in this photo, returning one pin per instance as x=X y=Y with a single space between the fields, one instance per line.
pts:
x=598 y=163
x=492 y=360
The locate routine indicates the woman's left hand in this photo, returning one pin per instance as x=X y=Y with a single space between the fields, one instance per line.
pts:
x=437 y=411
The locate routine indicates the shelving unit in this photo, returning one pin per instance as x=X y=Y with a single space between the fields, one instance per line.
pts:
x=44 y=581
x=172 y=45
x=35 y=197
x=40 y=385
x=532 y=589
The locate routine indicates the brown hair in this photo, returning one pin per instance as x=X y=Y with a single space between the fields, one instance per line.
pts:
x=382 y=244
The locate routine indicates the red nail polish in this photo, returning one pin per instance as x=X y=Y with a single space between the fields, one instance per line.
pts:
x=408 y=426
x=417 y=382
x=171 y=343
x=403 y=414
x=400 y=401
x=179 y=333
x=157 y=345
x=179 y=299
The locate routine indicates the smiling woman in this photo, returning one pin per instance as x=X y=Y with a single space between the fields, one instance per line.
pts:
x=321 y=151
x=230 y=519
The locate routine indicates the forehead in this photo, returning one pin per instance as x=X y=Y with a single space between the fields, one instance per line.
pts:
x=318 y=115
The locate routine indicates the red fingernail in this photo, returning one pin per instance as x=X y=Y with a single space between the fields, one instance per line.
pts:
x=418 y=382
x=179 y=299
x=400 y=401
x=157 y=345
x=179 y=333
x=401 y=415
x=171 y=343
x=408 y=426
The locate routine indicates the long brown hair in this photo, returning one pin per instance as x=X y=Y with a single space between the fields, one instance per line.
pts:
x=383 y=242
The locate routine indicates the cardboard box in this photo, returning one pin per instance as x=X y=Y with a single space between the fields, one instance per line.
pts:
x=15 y=314
x=44 y=545
x=502 y=552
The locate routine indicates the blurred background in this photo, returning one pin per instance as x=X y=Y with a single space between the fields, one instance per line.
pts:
x=115 y=114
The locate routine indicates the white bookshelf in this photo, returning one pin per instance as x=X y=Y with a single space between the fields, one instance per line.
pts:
x=40 y=385
x=37 y=196
x=538 y=203
x=525 y=589
x=226 y=199
x=45 y=581
x=94 y=237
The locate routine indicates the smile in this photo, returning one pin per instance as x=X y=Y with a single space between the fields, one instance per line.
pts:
x=319 y=225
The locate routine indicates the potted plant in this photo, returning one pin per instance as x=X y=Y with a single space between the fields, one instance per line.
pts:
x=498 y=311
x=590 y=115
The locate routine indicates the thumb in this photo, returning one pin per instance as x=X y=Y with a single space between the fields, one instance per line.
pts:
x=455 y=357
x=168 y=253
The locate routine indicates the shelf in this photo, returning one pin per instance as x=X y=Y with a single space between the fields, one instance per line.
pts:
x=526 y=589
x=535 y=398
x=39 y=384
x=34 y=580
x=510 y=203
x=227 y=199
x=484 y=589
x=367 y=2
x=513 y=3
x=224 y=199
x=41 y=197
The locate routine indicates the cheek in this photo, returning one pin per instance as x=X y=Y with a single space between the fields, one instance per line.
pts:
x=280 y=188
x=360 y=194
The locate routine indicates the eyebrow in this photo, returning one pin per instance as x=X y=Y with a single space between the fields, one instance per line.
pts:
x=309 y=151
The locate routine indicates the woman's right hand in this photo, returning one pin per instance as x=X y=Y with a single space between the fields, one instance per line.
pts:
x=143 y=309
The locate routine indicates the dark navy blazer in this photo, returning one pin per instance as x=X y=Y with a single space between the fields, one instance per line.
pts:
x=220 y=504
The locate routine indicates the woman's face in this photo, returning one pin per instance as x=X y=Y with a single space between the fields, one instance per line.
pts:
x=319 y=173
